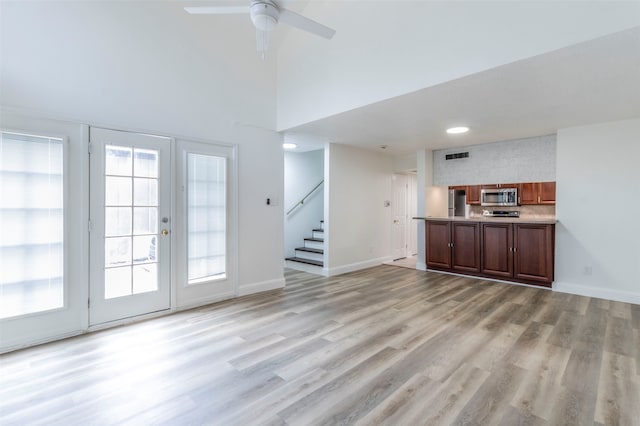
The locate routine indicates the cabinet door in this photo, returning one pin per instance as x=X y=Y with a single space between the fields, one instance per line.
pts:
x=529 y=193
x=438 y=249
x=497 y=255
x=465 y=237
x=547 y=193
x=533 y=252
x=490 y=186
x=473 y=194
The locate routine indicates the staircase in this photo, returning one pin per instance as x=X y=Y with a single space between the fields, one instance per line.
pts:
x=312 y=253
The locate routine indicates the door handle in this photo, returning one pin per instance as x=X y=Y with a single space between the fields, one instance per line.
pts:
x=164 y=232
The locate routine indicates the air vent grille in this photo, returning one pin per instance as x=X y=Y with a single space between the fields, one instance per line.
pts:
x=457 y=156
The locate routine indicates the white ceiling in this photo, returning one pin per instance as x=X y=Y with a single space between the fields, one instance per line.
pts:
x=590 y=82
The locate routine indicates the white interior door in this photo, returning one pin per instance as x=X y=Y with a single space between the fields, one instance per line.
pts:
x=412 y=211
x=399 y=207
x=130 y=243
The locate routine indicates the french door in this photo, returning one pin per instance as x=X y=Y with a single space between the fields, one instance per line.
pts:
x=130 y=225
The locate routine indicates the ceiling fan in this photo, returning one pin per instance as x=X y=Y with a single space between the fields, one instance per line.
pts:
x=265 y=15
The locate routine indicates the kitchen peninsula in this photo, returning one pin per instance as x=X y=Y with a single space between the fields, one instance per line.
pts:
x=519 y=250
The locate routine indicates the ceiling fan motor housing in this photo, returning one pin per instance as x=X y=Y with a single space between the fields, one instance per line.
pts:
x=264 y=15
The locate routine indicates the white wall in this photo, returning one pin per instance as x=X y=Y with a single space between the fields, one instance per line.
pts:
x=383 y=49
x=302 y=172
x=597 y=244
x=438 y=201
x=405 y=164
x=358 y=227
x=151 y=67
x=143 y=65
x=519 y=160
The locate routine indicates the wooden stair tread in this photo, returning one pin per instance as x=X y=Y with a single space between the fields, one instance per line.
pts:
x=310 y=250
x=308 y=261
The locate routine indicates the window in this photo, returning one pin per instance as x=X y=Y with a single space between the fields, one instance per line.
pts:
x=31 y=224
x=131 y=221
x=206 y=217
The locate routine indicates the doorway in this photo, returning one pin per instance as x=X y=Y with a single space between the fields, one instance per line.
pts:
x=404 y=228
x=130 y=225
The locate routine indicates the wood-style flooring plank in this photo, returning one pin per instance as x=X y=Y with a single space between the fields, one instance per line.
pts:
x=386 y=345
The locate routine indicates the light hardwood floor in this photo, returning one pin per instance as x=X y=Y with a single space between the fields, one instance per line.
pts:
x=387 y=345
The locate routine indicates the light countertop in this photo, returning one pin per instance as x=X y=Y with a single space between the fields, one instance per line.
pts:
x=541 y=220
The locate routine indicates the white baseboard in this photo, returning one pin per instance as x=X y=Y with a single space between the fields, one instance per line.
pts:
x=600 y=293
x=26 y=343
x=245 y=289
x=338 y=270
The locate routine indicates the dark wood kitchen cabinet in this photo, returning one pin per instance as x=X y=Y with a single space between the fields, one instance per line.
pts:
x=497 y=241
x=537 y=193
x=547 y=193
x=438 y=244
x=521 y=252
x=533 y=257
x=473 y=194
x=453 y=246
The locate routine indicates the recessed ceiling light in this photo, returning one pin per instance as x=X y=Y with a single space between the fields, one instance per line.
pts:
x=457 y=130
x=287 y=145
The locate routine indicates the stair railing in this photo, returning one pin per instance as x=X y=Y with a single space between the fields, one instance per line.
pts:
x=305 y=198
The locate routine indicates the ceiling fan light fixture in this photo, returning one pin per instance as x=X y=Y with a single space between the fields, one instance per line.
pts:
x=264 y=16
x=264 y=22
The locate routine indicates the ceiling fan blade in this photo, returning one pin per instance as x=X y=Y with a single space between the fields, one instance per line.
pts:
x=215 y=10
x=305 y=24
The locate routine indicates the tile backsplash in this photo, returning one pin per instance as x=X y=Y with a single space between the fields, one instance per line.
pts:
x=526 y=212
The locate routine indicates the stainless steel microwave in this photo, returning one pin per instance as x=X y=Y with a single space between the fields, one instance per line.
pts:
x=499 y=197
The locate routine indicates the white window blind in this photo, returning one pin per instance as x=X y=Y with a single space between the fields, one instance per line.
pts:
x=31 y=224
x=206 y=223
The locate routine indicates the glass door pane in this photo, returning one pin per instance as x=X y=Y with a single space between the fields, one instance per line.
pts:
x=206 y=218
x=131 y=221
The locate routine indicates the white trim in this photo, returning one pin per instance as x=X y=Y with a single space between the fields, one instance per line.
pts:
x=130 y=320
x=421 y=266
x=338 y=270
x=600 y=293
x=39 y=341
x=245 y=289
